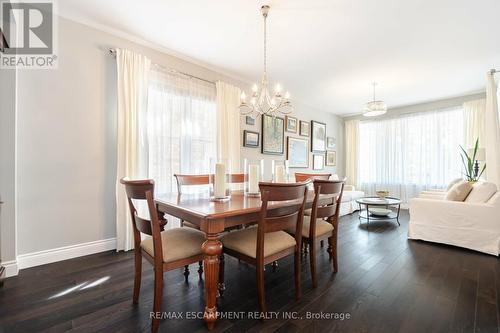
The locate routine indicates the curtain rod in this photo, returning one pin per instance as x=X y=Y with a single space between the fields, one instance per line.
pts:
x=112 y=52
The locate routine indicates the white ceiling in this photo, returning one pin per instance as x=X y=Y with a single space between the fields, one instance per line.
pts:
x=326 y=52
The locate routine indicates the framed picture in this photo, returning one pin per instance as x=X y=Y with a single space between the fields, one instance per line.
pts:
x=297 y=152
x=330 y=143
x=318 y=136
x=250 y=139
x=331 y=158
x=318 y=162
x=273 y=135
x=304 y=128
x=249 y=120
x=291 y=124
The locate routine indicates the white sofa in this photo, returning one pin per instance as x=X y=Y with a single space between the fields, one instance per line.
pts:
x=472 y=225
x=349 y=204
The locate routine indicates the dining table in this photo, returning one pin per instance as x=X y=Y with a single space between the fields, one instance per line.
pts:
x=213 y=218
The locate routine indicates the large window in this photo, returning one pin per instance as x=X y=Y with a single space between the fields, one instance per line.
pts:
x=181 y=127
x=411 y=153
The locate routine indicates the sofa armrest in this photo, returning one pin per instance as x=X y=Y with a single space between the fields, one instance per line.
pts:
x=349 y=188
x=456 y=213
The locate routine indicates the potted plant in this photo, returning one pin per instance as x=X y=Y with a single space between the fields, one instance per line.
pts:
x=471 y=165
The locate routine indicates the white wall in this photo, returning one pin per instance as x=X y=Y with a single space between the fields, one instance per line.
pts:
x=67 y=139
x=7 y=165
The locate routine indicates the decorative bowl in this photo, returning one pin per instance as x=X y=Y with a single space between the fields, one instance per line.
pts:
x=382 y=194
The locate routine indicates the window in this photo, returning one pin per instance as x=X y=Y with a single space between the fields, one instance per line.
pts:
x=412 y=153
x=181 y=127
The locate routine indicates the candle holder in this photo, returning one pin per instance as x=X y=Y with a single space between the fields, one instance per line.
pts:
x=280 y=170
x=254 y=173
x=220 y=171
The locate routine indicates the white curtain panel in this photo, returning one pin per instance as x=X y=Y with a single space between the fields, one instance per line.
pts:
x=228 y=124
x=492 y=132
x=182 y=127
x=474 y=113
x=412 y=153
x=352 y=151
x=132 y=85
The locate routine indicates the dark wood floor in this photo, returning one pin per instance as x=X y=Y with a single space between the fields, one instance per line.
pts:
x=385 y=284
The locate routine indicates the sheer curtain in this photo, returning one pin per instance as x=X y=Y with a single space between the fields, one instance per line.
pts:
x=412 y=153
x=474 y=112
x=182 y=127
x=492 y=131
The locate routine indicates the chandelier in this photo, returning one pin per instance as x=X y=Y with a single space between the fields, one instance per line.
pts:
x=261 y=100
x=374 y=108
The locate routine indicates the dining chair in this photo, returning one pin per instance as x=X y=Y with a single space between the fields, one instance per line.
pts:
x=323 y=222
x=301 y=177
x=197 y=180
x=200 y=180
x=267 y=241
x=164 y=249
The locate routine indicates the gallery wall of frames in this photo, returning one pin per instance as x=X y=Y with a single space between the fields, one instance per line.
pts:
x=306 y=144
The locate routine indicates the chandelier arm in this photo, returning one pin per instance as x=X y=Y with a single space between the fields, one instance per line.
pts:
x=265 y=45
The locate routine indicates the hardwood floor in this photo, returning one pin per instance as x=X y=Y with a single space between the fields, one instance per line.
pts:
x=385 y=283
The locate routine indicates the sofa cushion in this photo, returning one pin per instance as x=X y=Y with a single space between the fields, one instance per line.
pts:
x=459 y=191
x=481 y=192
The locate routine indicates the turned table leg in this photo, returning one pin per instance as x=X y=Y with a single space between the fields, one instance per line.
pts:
x=212 y=248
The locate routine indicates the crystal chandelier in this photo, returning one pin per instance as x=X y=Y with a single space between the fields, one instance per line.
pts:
x=261 y=100
x=374 y=108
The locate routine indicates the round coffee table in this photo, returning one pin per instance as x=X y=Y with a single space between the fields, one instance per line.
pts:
x=379 y=203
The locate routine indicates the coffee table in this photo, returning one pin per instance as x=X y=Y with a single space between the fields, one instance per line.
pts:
x=378 y=202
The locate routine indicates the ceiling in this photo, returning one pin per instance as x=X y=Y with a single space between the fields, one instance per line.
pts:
x=325 y=52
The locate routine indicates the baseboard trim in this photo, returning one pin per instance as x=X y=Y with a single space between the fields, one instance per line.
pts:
x=11 y=268
x=63 y=253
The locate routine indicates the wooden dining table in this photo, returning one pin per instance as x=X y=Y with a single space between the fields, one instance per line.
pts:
x=213 y=218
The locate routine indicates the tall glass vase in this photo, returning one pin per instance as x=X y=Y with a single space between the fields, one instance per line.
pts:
x=220 y=172
x=280 y=171
x=254 y=173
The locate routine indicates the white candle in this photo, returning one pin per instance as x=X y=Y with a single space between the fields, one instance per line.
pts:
x=253 y=178
x=220 y=180
x=280 y=173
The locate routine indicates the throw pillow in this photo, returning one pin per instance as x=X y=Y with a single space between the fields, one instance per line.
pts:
x=459 y=191
x=453 y=182
x=481 y=192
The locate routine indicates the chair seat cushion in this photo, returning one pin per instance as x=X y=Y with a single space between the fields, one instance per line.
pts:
x=177 y=243
x=322 y=227
x=245 y=242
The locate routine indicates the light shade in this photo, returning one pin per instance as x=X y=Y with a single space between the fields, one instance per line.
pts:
x=374 y=108
x=480 y=154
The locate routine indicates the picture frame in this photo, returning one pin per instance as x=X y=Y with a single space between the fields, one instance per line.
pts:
x=318 y=162
x=297 y=152
x=330 y=143
x=290 y=124
x=318 y=136
x=249 y=120
x=305 y=128
x=251 y=139
x=273 y=135
x=331 y=158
